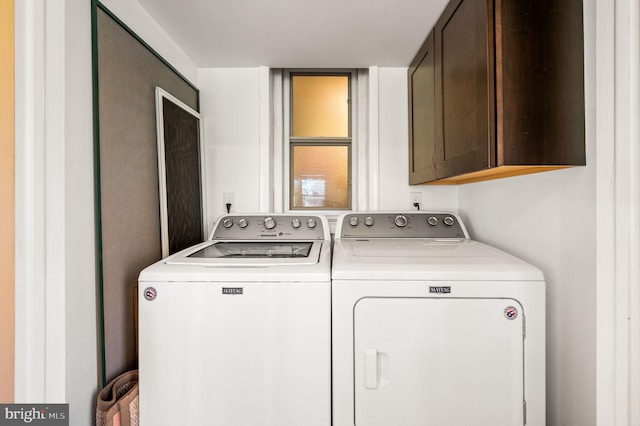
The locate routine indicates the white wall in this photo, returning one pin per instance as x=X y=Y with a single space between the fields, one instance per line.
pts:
x=136 y=17
x=549 y=220
x=229 y=104
x=80 y=349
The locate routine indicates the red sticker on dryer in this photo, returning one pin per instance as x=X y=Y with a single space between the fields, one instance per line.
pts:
x=510 y=312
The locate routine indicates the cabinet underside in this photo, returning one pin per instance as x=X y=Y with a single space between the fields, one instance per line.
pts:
x=494 y=173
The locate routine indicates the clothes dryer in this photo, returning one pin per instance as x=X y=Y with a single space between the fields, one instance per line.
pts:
x=433 y=328
x=236 y=330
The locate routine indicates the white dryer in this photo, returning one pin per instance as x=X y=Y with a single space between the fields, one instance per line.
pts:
x=236 y=331
x=431 y=328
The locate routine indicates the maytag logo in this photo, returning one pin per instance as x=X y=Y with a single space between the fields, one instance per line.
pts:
x=440 y=290
x=231 y=290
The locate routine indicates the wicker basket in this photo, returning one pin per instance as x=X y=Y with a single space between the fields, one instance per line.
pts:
x=118 y=401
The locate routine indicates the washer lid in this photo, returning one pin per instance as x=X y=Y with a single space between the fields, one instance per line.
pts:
x=254 y=250
x=426 y=259
x=248 y=261
x=249 y=253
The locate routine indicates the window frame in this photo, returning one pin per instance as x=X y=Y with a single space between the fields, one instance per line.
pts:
x=290 y=142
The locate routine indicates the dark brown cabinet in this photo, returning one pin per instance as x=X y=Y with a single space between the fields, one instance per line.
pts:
x=497 y=89
x=422 y=117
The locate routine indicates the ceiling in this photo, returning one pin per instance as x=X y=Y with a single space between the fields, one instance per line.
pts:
x=297 y=33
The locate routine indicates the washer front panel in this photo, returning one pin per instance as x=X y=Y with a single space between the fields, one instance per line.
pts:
x=235 y=354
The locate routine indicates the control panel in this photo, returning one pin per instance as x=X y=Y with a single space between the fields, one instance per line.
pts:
x=402 y=225
x=273 y=227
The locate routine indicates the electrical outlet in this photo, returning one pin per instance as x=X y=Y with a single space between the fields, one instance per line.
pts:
x=229 y=198
x=415 y=197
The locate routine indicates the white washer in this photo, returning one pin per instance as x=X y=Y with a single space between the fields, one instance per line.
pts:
x=432 y=328
x=236 y=330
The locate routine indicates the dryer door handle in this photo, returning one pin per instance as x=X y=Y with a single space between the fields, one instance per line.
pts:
x=371 y=368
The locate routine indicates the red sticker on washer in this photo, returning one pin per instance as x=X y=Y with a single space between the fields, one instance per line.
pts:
x=510 y=312
x=150 y=293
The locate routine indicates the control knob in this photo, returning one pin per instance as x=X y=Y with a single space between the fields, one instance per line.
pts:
x=311 y=223
x=227 y=223
x=368 y=221
x=449 y=221
x=242 y=223
x=433 y=221
x=269 y=223
x=296 y=223
x=353 y=221
x=401 y=221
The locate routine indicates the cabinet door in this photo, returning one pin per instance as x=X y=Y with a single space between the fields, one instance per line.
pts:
x=424 y=361
x=422 y=148
x=465 y=96
x=540 y=64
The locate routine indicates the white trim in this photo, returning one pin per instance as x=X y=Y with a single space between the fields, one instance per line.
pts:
x=359 y=142
x=373 y=142
x=634 y=234
x=30 y=202
x=55 y=203
x=162 y=174
x=207 y=227
x=265 y=139
x=605 y=212
x=362 y=134
x=278 y=140
x=618 y=213
x=161 y=94
x=286 y=125
x=40 y=373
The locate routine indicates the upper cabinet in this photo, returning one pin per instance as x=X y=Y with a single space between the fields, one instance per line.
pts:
x=422 y=107
x=496 y=90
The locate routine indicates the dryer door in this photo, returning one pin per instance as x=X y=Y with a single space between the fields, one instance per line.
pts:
x=426 y=361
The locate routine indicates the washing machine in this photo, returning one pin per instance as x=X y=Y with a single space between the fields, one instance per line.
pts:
x=431 y=328
x=235 y=331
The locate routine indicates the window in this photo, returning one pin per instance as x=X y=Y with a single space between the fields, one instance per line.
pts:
x=320 y=141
